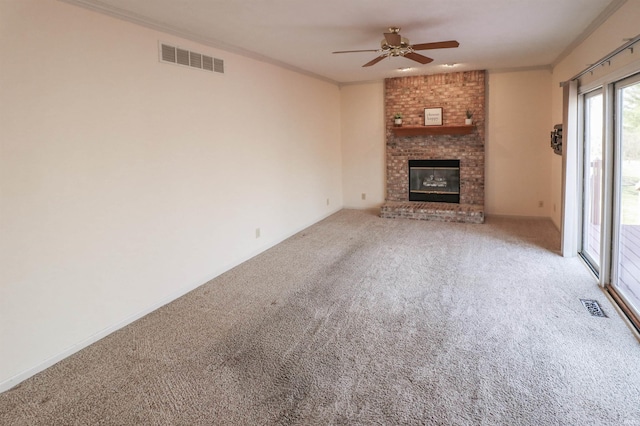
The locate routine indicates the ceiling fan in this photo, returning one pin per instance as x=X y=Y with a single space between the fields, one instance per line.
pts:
x=394 y=44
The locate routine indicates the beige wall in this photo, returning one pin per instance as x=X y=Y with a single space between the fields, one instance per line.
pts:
x=125 y=182
x=363 y=133
x=517 y=159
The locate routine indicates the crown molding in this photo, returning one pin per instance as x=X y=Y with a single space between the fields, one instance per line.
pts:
x=114 y=12
x=594 y=25
x=521 y=69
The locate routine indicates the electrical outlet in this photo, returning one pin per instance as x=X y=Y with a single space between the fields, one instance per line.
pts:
x=257 y=232
x=364 y=196
x=327 y=201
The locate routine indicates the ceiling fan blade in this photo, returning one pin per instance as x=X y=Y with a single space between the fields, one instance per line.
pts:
x=436 y=45
x=352 y=51
x=393 y=39
x=374 y=61
x=418 y=57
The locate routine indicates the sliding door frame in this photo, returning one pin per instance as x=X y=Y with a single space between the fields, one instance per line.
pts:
x=603 y=273
x=583 y=169
x=610 y=194
x=621 y=300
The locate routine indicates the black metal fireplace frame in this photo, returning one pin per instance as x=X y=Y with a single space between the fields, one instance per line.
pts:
x=433 y=196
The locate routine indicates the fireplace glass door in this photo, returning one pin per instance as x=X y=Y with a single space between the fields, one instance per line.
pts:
x=434 y=180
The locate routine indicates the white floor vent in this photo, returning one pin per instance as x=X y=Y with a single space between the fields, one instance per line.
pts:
x=176 y=55
x=593 y=307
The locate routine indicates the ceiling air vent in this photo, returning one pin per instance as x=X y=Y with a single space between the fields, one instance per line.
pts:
x=168 y=53
x=207 y=63
x=218 y=65
x=195 y=60
x=179 y=56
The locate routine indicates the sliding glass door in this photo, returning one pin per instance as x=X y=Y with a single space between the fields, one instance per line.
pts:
x=626 y=238
x=592 y=179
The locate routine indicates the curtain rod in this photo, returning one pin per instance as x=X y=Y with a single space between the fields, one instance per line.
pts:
x=627 y=45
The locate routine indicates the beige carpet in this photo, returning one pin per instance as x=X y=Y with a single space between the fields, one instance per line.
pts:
x=363 y=320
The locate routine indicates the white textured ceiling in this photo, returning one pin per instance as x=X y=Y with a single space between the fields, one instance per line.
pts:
x=493 y=34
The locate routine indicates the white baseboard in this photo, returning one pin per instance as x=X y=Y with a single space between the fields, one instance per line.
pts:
x=512 y=216
x=24 y=375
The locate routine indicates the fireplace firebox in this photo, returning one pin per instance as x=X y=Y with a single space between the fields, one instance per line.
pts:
x=434 y=180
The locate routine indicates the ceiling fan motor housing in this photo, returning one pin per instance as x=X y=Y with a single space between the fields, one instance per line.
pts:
x=400 y=50
x=404 y=44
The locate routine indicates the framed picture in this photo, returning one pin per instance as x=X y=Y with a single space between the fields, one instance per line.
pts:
x=433 y=116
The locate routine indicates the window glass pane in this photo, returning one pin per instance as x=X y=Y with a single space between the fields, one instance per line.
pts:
x=592 y=180
x=628 y=247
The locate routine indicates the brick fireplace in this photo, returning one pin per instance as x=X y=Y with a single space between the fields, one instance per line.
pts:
x=453 y=141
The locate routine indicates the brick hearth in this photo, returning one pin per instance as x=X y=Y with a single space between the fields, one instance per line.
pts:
x=455 y=93
x=446 y=212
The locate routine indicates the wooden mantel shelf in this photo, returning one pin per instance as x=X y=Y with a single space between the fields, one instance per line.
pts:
x=433 y=130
